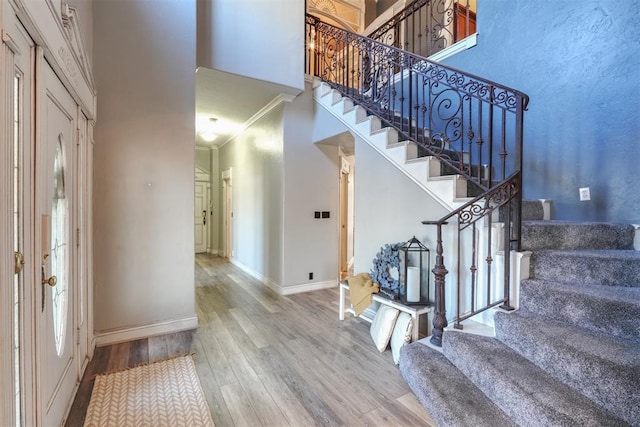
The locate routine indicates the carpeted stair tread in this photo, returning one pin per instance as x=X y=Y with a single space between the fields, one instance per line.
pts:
x=609 y=310
x=538 y=235
x=596 y=267
x=605 y=369
x=448 y=396
x=532 y=210
x=526 y=393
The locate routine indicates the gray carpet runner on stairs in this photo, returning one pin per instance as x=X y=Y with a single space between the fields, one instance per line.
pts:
x=570 y=356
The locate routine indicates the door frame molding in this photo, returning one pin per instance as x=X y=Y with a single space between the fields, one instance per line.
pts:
x=227 y=212
x=54 y=29
x=6 y=266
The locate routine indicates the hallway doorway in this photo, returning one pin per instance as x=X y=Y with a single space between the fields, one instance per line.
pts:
x=346 y=215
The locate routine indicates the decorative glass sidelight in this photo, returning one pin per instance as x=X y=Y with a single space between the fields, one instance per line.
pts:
x=59 y=248
x=17 y=245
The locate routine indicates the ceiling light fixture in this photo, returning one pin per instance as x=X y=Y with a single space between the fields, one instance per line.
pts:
x=208 y=136
x=207 y=128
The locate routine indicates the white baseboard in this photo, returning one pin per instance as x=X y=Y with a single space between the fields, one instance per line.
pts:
x=213 y=251
x=138 y=332
x=250 y=271
x=284 y=290
x=306 y=287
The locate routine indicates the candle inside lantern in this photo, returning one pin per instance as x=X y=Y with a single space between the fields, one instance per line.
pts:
x=413 y=284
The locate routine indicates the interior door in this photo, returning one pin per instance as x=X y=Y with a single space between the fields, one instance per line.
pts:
x=55 y=146
x=201 y=216
x=344 y=235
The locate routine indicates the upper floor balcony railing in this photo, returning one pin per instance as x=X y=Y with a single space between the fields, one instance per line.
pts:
x=426 y=27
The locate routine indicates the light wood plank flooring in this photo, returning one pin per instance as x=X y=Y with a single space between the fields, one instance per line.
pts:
x=268 y=360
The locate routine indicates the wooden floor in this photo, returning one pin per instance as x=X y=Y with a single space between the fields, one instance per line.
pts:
x=268 y=360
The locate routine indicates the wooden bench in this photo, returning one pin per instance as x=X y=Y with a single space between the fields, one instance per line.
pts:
x=414 y=310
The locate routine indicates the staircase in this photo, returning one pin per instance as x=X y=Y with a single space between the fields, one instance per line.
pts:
x=450 y=190
x=569 y=356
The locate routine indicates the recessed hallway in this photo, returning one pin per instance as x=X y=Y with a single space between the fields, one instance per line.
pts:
x=269 y=360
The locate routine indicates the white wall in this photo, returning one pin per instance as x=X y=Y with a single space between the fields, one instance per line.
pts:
x=272 y=31
x=280 y=178
x=144 y=62
x=389 y=207
x=325 y=125
x=256 y=159
x=312 y=183
x=203 y=159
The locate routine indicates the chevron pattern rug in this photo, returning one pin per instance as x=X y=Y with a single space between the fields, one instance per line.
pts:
x=164 y=393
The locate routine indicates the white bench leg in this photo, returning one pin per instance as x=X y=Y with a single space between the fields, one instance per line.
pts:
x=415 y=332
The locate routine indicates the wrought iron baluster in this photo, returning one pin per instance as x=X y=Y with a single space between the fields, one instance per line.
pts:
x=457 y=324
x=485 y=175
x=503 y=145
x=490 y=135
x=507 y=257
x=489 y=258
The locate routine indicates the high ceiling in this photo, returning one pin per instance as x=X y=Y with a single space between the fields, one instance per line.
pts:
x=231 y=101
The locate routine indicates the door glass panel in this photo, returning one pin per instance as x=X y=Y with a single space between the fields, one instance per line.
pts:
x=60 y=247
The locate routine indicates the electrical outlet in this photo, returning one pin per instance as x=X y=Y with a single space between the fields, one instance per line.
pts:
x=585 y=194
x=310 y=276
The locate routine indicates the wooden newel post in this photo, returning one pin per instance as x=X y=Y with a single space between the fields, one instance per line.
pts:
x=439 y=271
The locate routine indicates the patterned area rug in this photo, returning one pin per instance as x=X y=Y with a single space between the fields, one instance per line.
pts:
x=164 y=393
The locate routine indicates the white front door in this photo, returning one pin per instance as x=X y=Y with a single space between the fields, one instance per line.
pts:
x=201 y=216
x=55 y=240
x=16 y=387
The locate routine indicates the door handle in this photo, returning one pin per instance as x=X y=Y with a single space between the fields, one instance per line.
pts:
x=51 y=281
x=18 y=262
x=204 y=217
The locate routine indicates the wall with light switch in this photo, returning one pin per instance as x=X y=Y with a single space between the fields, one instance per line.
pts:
x=311 y=184
x=581 y=69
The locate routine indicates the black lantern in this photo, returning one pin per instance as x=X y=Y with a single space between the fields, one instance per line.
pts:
x=415 y=272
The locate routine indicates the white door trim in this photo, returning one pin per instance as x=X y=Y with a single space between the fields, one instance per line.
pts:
x=227 y=212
